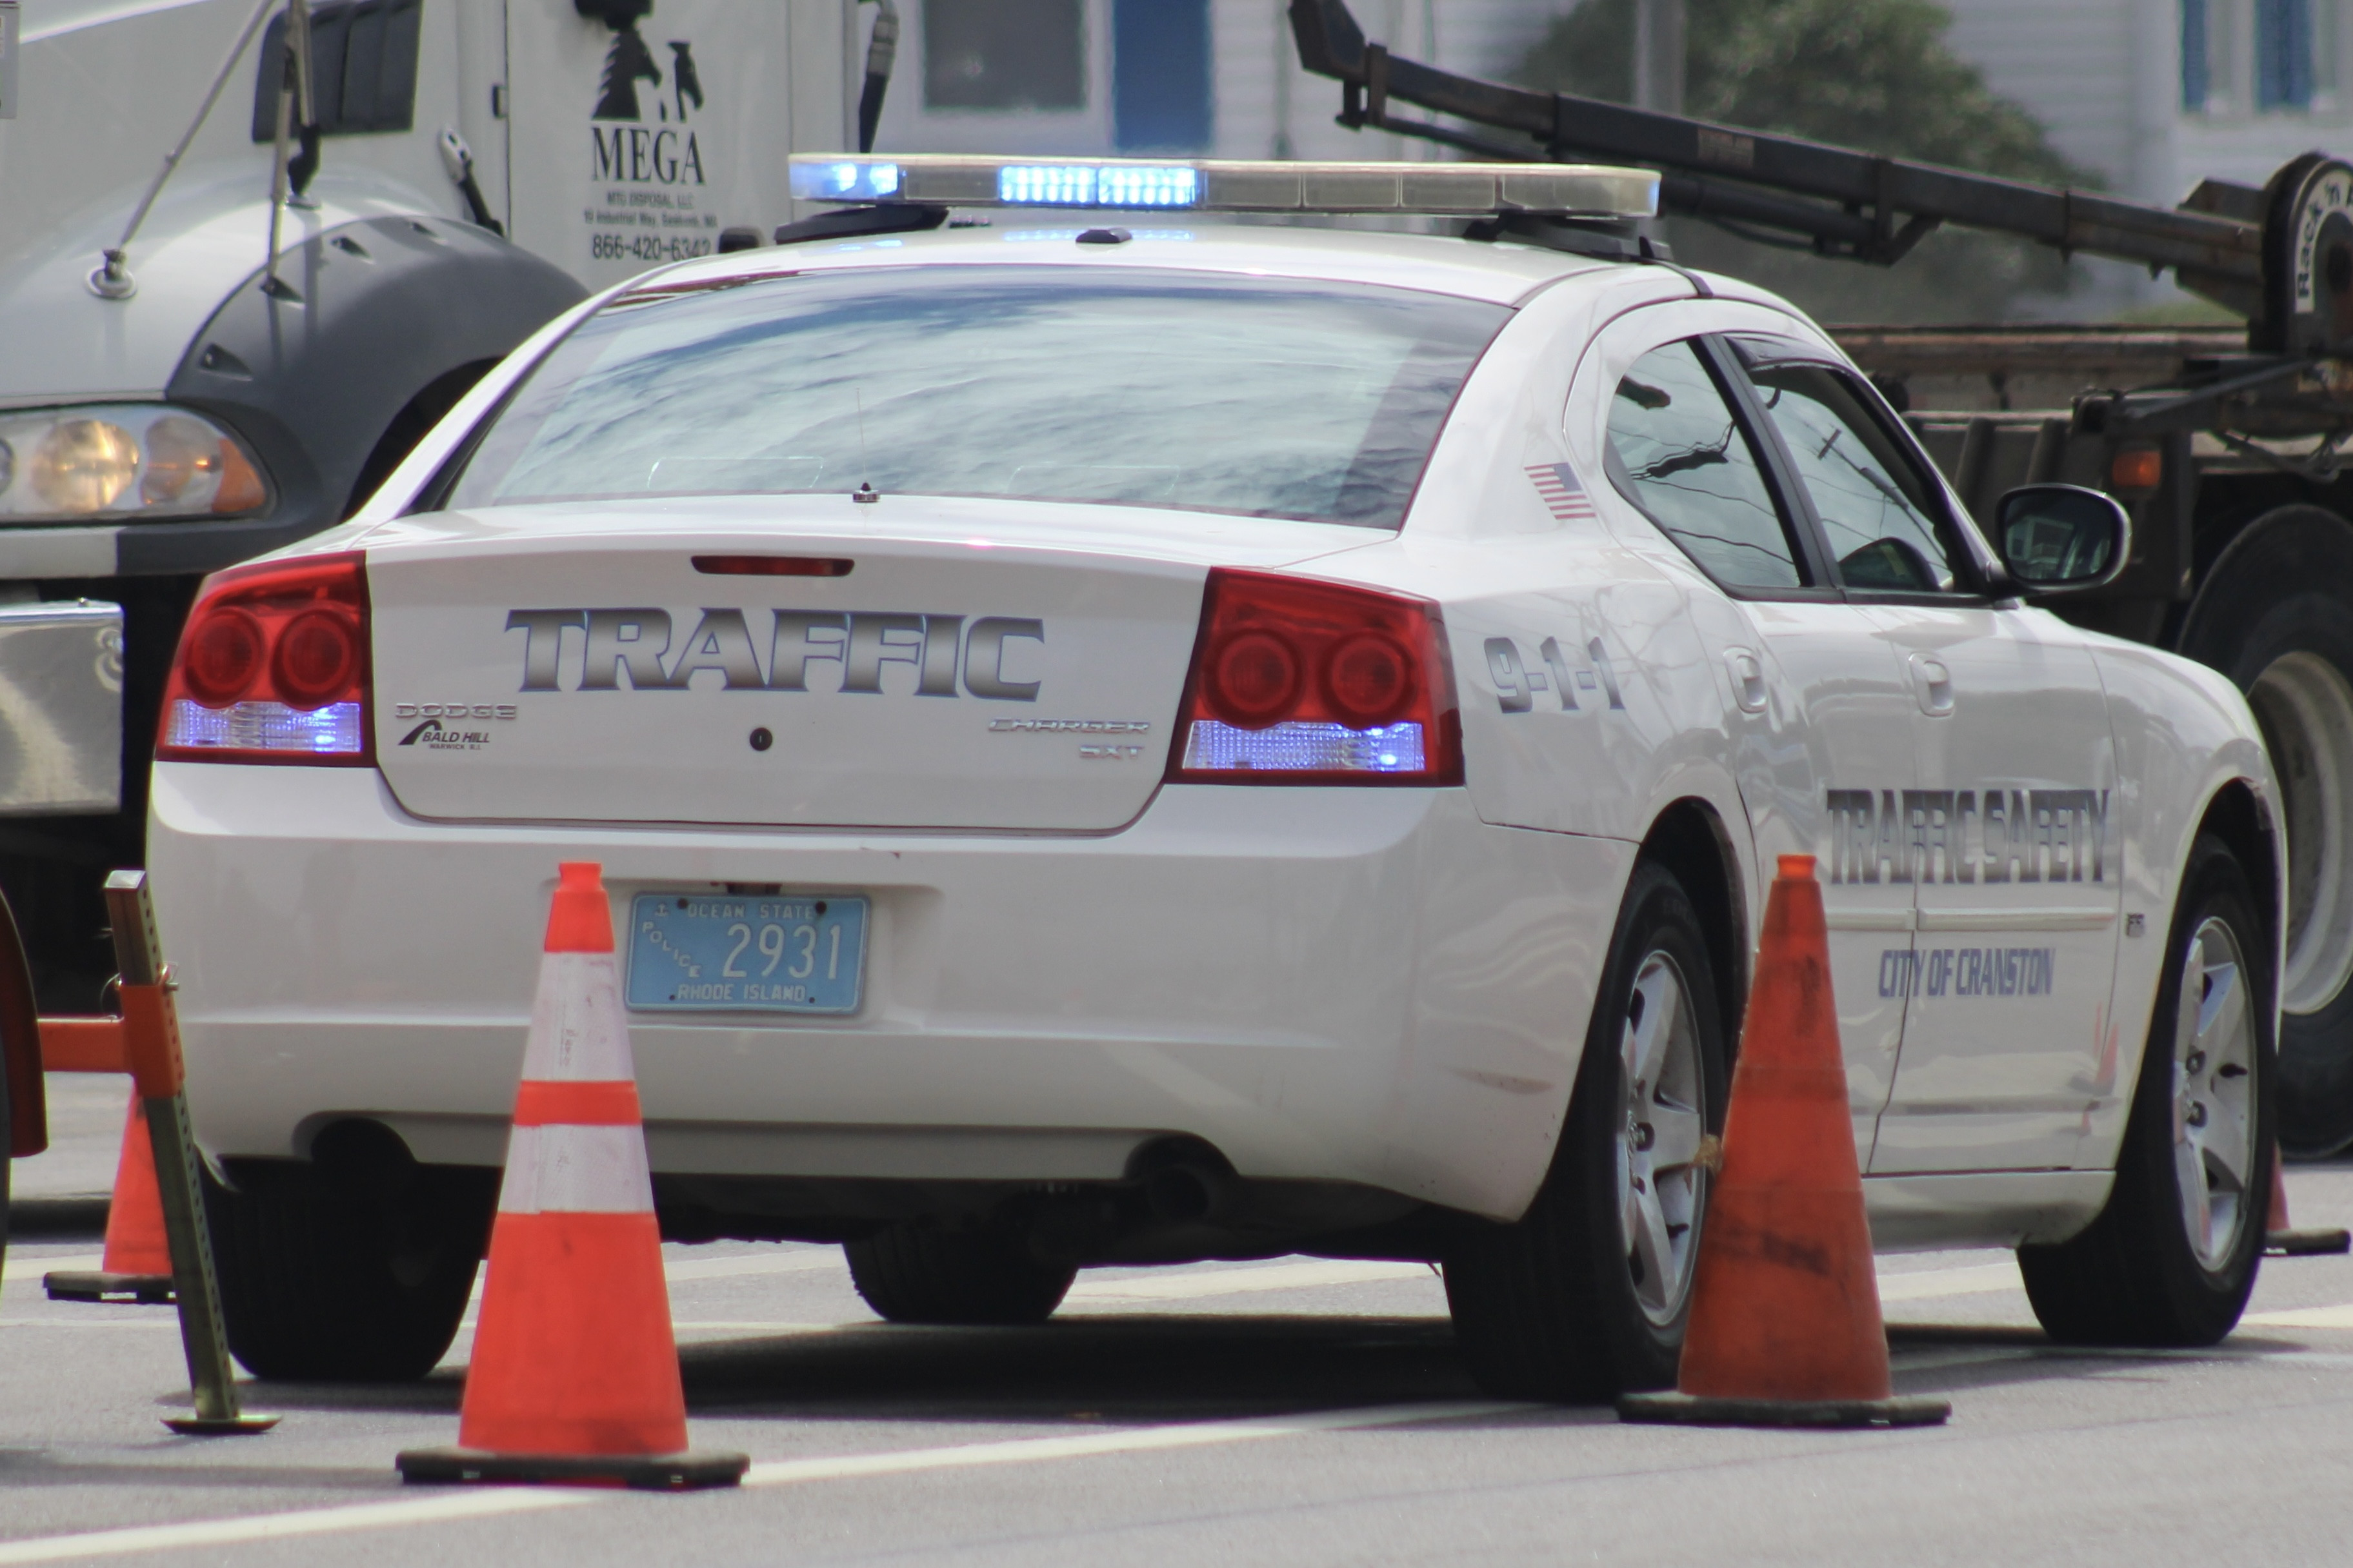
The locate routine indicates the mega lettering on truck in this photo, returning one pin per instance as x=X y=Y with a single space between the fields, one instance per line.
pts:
x=255 y=249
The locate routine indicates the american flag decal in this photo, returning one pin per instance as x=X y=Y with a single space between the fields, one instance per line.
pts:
x=1563 y=495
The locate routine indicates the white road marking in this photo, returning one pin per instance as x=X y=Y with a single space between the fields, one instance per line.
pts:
x=460 y=1505
x=2336 y=1317
x=751 y=1263
x=292 y=1523
x=21 y=1269
x=1194 y=1283
x=1927 y=1283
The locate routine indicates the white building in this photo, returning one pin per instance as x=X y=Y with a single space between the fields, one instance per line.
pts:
x=2158 y=94
x=2153 y=94
x=1219 y=78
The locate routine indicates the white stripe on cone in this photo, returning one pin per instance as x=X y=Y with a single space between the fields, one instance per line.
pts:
x=577 y=1031
x=560 y=1169
x=578 y=1035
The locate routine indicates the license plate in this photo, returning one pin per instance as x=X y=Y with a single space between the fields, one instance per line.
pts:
x=700 y=952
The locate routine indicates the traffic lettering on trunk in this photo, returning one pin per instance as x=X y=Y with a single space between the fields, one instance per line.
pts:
x=635 y=650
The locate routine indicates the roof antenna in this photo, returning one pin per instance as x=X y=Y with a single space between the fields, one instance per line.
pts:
x=865 y=493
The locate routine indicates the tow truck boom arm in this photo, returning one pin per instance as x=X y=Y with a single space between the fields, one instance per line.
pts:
x=1847 y=202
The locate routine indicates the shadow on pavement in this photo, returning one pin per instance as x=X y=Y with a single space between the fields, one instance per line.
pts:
x=1131 y=1367
x=1176 y=1367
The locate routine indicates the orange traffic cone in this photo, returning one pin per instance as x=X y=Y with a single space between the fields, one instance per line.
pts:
x=138 y=1262
x=574 y=1374
x=1785 y=1328
x=2281 y=1240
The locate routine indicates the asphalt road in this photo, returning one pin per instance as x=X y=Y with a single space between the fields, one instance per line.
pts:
x=1289 y=1412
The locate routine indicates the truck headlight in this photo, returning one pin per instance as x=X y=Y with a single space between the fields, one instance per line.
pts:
x=121 y=460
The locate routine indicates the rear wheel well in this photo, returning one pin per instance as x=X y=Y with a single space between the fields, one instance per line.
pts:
x=2236 y=817
x=1689 y=839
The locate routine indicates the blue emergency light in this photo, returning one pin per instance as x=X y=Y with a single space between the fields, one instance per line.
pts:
x=1566 y=190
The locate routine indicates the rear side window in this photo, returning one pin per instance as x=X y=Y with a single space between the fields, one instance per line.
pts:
x=1877 y=508
x=1266 y=396
x=1676 y=451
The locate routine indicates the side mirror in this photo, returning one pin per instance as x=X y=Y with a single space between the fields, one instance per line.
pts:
x=2061 y=539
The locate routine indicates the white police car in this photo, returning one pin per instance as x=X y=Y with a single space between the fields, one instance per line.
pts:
x=1192 y=740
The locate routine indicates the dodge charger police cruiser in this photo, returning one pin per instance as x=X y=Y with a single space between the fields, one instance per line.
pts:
x=1120 y=733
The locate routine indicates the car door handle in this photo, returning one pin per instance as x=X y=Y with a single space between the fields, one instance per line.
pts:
x=1747 y=679
x=1934 y=685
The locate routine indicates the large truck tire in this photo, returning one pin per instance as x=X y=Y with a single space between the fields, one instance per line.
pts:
x=2276 y=615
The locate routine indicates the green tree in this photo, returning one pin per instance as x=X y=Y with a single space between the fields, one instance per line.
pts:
x=1869 y=74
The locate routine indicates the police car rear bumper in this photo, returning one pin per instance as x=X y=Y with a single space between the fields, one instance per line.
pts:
x=1368 y=985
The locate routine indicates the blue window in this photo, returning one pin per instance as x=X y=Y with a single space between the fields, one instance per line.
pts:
x=1003 y=54
x=2197 y=66
x=1161 y=100
x=2283 y=54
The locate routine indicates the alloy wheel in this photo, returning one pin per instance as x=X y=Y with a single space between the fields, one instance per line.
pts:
x=1661 y=1185
x=2214 y=1152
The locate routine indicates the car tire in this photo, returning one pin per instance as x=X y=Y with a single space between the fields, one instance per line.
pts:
x=2149 y=1271
x=322 y=1286
x=919 y=1273
x=1572 y=1303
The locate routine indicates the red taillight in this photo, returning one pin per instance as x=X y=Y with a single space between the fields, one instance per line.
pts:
x=1368 y=679
x=1298 y=681
x=219 y=659
x=272 y=668
x=1253 y=679
x=318 y=654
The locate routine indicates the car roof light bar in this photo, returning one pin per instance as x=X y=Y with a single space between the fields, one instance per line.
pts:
x=1563 y=190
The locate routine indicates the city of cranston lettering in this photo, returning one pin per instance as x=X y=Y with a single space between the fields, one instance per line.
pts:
x=1968 y=971
x=1980 y=835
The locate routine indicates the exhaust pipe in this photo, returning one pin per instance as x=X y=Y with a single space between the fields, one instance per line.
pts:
x=1187 y=1191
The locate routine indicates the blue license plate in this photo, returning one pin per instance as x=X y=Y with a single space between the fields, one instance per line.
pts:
x=787 y=953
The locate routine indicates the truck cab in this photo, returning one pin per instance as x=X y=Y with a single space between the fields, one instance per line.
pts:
x=241 y=278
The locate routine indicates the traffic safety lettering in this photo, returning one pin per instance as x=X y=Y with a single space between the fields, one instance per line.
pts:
x=1980 y=835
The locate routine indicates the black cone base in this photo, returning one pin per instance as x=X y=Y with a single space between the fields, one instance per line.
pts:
x=643 y=1472
x=147 y=1289
x=219 y=1426
x=1701 y=1410
x=2282 y=1243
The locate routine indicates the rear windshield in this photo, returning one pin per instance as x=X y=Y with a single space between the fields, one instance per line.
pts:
x=1265 y=396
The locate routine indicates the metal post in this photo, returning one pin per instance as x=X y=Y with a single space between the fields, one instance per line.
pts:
x=1659 y=56
x=152 y=1025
